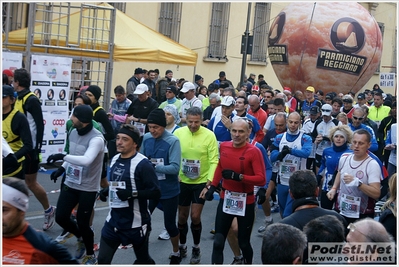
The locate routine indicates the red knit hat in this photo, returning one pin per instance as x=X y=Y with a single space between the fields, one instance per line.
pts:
x=8 y=72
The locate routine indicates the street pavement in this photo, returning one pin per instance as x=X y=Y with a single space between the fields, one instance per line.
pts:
x=159 y=249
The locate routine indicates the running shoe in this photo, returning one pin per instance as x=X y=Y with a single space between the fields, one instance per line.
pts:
x=90 y=260
x=175 y=259
x=263 y=227
x=49 y=219
x=63 y=237
x=275 y=209
x=164 y=235
x=195 y=256
x=183 y=251
x=238 y=260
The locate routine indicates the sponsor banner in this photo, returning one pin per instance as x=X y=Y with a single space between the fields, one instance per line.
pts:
x=351 y=253
x=51 y=82
x=387 y=80
x=11 y=61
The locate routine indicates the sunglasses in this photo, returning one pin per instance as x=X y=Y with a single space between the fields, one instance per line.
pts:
x=326 y=110
x=351 y=227
x=357 y=118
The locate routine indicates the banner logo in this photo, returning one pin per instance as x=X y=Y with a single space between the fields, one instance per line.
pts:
x=59 y=122
x=55 y=132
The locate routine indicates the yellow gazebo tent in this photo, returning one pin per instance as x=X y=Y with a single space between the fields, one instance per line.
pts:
x=133 y=41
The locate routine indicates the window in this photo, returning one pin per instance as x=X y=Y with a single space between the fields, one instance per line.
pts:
x=218 y=30
x=260 y=32
x=120 y=6
x=169 y=20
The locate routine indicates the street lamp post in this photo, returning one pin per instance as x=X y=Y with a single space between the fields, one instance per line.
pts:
x=245 y=49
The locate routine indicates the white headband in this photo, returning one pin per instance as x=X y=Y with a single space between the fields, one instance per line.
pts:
x=15 y=197
x=339 y=132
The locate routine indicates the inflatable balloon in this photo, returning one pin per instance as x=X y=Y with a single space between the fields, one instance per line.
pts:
x=334 y=47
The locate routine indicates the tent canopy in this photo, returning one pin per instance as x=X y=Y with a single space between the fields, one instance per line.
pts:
x=133 y=41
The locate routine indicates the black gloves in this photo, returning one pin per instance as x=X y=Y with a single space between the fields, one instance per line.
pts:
x=55 y=157
x=209 y=194
x=229 y=174
x=55 y=174
x=285 y=151
x=261 y=195
x=125 y=194
x=104 y=194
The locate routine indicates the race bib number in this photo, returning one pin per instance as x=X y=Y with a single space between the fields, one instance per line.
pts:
x=141 y=127
x=159 y=162
x=191 y=168
x=74 y=173
x=287 y=168
x=113 y=199
x=234 y=203
x=349 y=206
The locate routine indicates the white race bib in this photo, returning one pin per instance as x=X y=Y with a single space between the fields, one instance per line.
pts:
x=234 y=203
x=191 y=168
x=349 y=206
x=159 y=162
x=74 y=173
x=113 y=199
x=286 y=169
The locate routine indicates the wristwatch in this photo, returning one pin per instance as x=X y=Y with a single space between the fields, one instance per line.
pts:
x=241 y=176
x=360 y=183
x=135 y=193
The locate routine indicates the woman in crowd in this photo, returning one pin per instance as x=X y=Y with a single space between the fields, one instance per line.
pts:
x=388 y=215
x=202 y=92
x=343 y=118
x=341 y=137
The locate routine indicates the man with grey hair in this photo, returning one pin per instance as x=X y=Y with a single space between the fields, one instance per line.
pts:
x=368 y=230
x=214 y=102
x=283 y=244
x=199 y=154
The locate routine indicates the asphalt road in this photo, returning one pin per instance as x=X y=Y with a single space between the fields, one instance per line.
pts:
x=159 y=249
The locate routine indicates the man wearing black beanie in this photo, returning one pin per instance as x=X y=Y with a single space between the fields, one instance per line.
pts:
x=163 y=149
x=129 y=221
x=101 y=117
x=82 y=167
